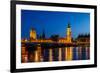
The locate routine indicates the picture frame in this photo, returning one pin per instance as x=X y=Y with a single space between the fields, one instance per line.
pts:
x=24 y=64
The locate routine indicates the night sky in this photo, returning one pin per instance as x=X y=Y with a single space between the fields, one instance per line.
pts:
x=54 y=22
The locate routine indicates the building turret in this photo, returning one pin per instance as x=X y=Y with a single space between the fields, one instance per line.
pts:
x=33 y=34
x=43 y=34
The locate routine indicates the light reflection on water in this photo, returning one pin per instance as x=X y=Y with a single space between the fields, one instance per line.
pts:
x=56 y=54
x=68 y=53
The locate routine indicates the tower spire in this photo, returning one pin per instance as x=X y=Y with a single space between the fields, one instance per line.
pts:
x=43 y=34
x=69 y=25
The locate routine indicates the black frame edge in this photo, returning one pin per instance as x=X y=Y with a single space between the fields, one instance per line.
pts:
x=12 y=36
x=95 y=36
x=55 y=4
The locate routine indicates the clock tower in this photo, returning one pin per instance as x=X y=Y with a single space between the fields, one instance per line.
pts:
x=69 y=33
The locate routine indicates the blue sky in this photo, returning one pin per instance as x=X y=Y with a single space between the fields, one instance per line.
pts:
x=54 y=22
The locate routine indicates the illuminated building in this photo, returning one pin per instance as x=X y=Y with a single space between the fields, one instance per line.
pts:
x=66 y=39
x=83 y=38
x=33 y=34
x=69 y=34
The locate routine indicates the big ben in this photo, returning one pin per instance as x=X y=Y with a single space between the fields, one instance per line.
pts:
x=69 y=33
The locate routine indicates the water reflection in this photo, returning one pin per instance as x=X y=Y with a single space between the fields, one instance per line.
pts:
x=58 y=54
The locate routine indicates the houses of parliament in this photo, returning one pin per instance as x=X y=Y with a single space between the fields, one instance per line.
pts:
x=34 y=38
